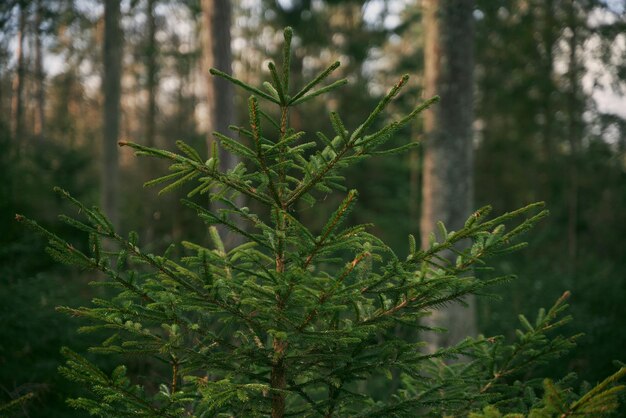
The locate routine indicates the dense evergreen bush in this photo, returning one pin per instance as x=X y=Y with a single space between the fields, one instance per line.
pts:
x=300 y=322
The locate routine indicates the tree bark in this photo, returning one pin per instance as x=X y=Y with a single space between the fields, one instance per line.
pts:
x=151 y=74
x=150 y=53
x=17 y=101
x=40 y=113
x=575 y=115
x=447 y=189
x=216 y=21
x=546 y=11
x=111 y=89
x=216 y=51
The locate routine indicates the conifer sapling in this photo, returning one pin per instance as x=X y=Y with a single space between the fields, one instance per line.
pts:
x=301 y=322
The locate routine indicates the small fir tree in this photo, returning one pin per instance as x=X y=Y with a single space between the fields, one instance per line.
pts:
x=295 y=322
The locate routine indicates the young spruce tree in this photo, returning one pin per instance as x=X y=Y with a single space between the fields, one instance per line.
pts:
x=295 y=322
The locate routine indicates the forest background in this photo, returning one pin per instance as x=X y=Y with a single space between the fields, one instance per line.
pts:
x=549 y=124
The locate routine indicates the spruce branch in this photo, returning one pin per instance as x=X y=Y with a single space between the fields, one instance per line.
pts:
x=326 y=295
x=226 y=180
x=278 y=85
x=524 y=354
x=255 y=125
x=323 y=90
x=352 y=142
x=288 y=35
x=333 y=222
x=245 y=86
x=380 y=107
x=601 y=400
x=14 y=404
x=321 y=77
x=212 y=218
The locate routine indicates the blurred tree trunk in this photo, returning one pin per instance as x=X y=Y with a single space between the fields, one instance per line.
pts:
x=216 y=52
x=17 y=102
x=183 y=125
x=575 y=109
x=111 y=89
x=447 y=189
x=151 y=74
x=40 y=115
x=548 y=40
x=150 y=53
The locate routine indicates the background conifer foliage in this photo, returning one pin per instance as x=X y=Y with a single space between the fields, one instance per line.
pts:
x=300 y=321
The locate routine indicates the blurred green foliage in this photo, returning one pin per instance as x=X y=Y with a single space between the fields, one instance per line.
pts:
x=32 y=284
x=541 y=136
